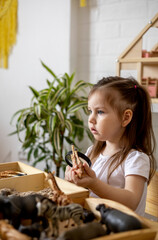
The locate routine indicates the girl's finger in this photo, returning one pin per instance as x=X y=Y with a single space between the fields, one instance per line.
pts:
x=88 y=170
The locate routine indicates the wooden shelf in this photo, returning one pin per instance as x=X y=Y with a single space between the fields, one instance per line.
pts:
x=154 y=100
x=146 y=67
x=136 y=60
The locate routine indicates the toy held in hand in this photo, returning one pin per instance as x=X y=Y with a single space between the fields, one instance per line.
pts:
x=76 y=159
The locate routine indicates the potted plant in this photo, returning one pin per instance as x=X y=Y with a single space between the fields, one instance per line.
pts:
x=53 y=121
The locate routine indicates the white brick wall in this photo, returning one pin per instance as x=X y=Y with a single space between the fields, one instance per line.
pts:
x=105 y=29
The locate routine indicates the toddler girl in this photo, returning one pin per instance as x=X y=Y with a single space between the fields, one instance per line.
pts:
x=122 y=154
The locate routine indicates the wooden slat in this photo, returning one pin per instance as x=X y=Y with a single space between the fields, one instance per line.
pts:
x=152 y=197
x=135 y=60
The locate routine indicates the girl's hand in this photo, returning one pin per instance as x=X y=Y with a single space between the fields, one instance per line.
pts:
x=87 y=179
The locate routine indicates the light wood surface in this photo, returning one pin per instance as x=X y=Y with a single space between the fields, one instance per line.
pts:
x=152 y=197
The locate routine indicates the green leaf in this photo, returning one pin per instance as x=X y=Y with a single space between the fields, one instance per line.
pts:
x=68 y=124
x=52 y=123
x=57 y=96
x=60 y=116
x=37 y=128
x=35 y=93
x=49 y=70
x=37 y=110
x=56 y=138
x=39 y=160
x=35 y=153
x=27 y=143
x=77 y=106
x=29 y=154
x=16 y=113
x=79 y=86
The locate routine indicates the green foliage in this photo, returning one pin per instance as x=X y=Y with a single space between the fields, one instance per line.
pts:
x=53 y=120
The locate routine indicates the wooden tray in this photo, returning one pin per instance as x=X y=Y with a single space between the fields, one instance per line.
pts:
x=35 y=181
x=148 y=232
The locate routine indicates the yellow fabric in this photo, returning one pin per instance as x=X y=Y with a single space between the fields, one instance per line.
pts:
x=82 y=3
x=8 y=29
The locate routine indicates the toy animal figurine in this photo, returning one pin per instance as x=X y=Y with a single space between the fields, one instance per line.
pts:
x=117 y=221
x=15 y=208
x=8 y=232
x=58 y=196
x=88 y=215
x=56 y=213
x=33 y=230
x=84 y=232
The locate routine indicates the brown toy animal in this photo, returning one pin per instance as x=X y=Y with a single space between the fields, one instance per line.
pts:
x=7 y=232
x=58 y=196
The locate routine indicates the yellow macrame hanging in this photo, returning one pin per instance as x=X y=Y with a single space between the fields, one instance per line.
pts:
x=82 y=3
x=8 y=29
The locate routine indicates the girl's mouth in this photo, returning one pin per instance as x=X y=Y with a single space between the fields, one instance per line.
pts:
x=94 y=131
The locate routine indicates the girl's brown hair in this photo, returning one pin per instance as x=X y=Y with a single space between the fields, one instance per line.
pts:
x=139 y=133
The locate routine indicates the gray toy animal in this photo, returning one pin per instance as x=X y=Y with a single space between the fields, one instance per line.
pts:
x=49 y=210
x=84 y=232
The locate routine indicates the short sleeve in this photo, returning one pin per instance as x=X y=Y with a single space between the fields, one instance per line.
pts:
x=137 y=163
x=89 y=150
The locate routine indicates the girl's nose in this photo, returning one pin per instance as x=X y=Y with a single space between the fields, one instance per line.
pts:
x=91 y=118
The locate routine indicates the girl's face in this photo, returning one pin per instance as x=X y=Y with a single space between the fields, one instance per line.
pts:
x=103 y=121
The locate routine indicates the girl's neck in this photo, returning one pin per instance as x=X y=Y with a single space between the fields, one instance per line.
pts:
x=110 y=149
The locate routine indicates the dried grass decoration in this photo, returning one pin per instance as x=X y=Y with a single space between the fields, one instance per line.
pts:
x=8 y=29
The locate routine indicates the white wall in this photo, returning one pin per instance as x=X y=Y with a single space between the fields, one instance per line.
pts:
x=43 y=33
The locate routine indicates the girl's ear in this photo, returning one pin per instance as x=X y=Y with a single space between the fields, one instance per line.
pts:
x=127 y=117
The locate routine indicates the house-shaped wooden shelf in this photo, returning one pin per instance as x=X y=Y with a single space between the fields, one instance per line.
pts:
x=146 y=66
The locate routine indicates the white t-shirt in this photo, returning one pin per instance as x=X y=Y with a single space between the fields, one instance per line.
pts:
x=136 y=163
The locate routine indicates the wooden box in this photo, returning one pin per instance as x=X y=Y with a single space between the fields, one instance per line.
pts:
x=35 y=181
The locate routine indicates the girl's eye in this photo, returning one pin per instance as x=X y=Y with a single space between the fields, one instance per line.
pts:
x=100 y=112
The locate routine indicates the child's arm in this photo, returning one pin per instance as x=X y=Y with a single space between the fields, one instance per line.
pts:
x=130 y=195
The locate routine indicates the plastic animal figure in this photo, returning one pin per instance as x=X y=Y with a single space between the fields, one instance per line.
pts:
x=84 y=232
x=117 y=221
x=58 y=196
x=88 y=215
x=56 y=213
x=34 y=230
x=8 y=232
x=15 y=208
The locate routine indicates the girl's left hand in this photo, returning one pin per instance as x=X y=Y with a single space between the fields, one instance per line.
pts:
x=87 y=179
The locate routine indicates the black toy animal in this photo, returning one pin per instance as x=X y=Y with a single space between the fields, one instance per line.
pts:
x=117 y=221
x=34 y=230
x=88 y=216
x=84 y=232
x=15 y=208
